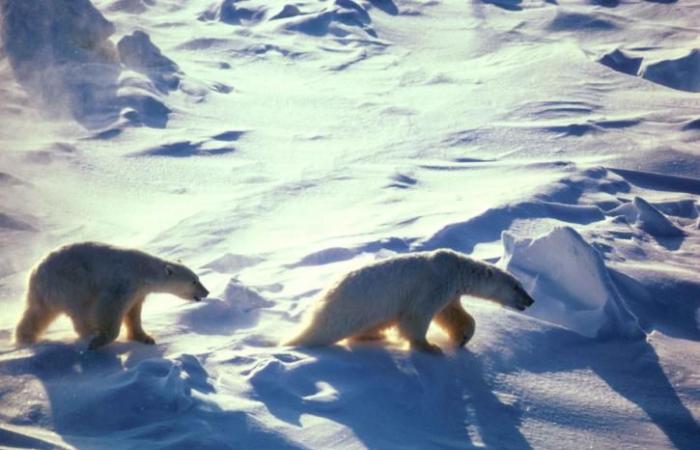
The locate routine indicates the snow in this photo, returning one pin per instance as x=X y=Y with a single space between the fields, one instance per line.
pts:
x=682 y=73
x=571 y=283
x=272 y=146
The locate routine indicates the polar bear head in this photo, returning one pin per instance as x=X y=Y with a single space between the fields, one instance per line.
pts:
x=470 y=276
x=507 y=290
x=181 y=281
x=489 y=282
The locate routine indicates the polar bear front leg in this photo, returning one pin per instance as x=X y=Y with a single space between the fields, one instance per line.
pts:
x=132 y=320
x=457 y=322
x=413 y=326
x=108 y=317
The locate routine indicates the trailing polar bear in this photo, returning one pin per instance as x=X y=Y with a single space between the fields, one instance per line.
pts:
x=100 y=286
x=409 y=291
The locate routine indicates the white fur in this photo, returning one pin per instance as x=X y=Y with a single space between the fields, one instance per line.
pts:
x=408 y=291
x=98 y=286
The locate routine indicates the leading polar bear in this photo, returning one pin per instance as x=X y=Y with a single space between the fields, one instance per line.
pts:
x=98 y=286
x=409 y=291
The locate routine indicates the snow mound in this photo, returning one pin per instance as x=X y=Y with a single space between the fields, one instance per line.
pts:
x=337 y=19
x=570 y=283
x=61 y=54
x=682 y=73
x=684 y=208
x=568 y=21
x=654 y=221
x=691 y=125
x=138 y=53
x=649 y=219
x=618 y=60
x=230 y=12
x=287 y=11
x=156 y=388
x=487 y=227
x=237 y=308
x=186 y=149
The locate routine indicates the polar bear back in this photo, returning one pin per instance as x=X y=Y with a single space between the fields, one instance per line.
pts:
x=387 y=288
x=72 y=276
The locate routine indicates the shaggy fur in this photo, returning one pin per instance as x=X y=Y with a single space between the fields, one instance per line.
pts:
x=409 y=291
x=99 y=287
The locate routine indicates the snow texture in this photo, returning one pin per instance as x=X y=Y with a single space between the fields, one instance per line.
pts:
x=273 y=146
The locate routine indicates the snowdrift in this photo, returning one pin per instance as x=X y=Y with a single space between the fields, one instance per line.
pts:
x=647 y=218
x=337 y=18
x=570 y=283
x=237 y=308
x=138 y=53
x=358 y=129
x=62 y=55
x=620 y=61
x=682 y=73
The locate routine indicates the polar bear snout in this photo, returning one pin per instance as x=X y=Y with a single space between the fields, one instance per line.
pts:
x=523 y=300
x=513 y=295
x=200 y=292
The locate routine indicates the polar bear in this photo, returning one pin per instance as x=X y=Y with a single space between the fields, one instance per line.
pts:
x=98 y=286
x=409 y=291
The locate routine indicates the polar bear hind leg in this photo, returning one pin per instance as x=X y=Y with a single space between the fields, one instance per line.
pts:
x=34 y=322
x=35 y=319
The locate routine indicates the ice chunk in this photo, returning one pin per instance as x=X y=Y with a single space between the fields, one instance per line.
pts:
x=620 y=61
x=570 y=283
x=647 y=218
x=137 y=52
x=653 y=221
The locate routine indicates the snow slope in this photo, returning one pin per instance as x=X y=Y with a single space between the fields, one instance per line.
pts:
x=274 y=145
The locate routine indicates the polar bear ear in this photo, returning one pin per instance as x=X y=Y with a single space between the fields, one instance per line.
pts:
x=169 y=270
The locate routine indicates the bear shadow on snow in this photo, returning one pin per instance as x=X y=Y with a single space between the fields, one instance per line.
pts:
x=389 y=399
x=94 y=397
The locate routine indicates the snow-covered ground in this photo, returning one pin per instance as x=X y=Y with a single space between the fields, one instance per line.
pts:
x=273 y=146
